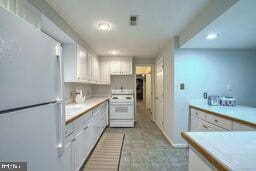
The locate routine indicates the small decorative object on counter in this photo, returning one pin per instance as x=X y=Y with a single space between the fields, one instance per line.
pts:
x=227 y=101
x=79 y=96
x=213 y=100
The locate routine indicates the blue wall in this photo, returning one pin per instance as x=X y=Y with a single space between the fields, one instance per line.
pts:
x=210 y=71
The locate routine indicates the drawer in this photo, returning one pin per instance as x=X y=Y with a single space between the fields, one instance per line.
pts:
x=69 y=129
x=224 y=123
x=240 y=127
x=83 y=119
x=212 y=127
x=69 y=138
x=198 y=113
x=96 y=110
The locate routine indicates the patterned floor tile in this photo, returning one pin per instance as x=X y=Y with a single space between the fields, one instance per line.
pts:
x=146 y=148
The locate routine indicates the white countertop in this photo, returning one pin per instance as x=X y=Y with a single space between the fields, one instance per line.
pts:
x=73 y=110
x=247 y=114
x=236 y=150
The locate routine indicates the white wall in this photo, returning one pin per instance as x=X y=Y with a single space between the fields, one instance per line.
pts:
x=168 y=90
x=210 y=71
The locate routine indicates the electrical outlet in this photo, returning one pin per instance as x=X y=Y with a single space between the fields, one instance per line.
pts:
x=205 y=95
x=229 y=87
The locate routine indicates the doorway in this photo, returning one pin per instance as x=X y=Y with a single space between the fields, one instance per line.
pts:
x=144 y=88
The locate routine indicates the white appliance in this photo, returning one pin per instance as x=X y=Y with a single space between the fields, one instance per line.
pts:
x=31 y=89
x=121 y=108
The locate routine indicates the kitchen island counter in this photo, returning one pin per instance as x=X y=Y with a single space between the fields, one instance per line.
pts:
x=242 y=114
x=225 y=150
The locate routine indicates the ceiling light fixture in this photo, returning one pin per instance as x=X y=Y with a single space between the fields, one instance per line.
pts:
x=104 y=26
x=114 y=52
x=212 y=36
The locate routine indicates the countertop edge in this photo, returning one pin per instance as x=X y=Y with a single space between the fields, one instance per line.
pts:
x=207 y=155
x=84 y=111
x=225 y=116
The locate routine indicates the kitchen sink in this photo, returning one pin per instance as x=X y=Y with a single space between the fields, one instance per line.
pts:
x=70 y=110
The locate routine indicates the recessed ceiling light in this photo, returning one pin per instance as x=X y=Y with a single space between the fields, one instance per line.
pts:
x=104 y=26
x=212 y=36
x=114 y=52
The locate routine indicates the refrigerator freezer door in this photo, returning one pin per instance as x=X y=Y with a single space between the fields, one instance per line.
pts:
x=28 y=64
x=30 y=135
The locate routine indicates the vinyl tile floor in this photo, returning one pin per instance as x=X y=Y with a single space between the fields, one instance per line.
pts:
x=146 y=148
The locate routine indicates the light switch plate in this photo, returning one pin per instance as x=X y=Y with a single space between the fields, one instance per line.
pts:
x=205 y=95
x=182 y=86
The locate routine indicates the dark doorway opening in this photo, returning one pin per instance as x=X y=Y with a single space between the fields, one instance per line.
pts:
x=139 y=88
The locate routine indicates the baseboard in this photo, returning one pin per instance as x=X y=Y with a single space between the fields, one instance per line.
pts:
x=175 y=145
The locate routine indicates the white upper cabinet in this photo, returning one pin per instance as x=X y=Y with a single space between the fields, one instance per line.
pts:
x=121 y=67
x=126 y=68
x=4 y=3
x=82 y=64
x=28 y=12
x=76 y=63
x=23 y=9
x=115 y=68
x=95 y=70
x=105 y=72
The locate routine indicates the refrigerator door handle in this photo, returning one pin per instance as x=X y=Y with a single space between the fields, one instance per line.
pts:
x=61 y=106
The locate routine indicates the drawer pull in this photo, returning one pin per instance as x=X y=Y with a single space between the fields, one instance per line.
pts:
x=196 y=113
x=86 y=128
x=205 y=127
x=215 y=120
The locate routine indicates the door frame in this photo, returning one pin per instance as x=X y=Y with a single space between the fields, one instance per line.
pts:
x=152 y=87
x=159 y=60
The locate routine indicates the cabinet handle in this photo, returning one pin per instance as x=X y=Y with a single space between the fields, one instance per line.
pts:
x=205 y=127
x=86 y=128
x=73 y=139
x=216 y=120
x=196 y=113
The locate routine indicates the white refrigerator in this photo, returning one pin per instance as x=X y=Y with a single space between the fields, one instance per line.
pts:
x=31 y=91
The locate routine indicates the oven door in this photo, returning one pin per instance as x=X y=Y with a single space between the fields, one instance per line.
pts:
x=121 y=111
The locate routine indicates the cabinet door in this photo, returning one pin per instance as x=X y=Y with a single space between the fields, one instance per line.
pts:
x=68 y=155
x=105 y=73
x=5 y=4
x=82 y=63
x=115 y=68
x=106 y=113
x=195 y=124
x=126 y=68
x=81 y=147
x=95 y=70
x=28 y=12
x=240 y=127
x=197 y=163
x=89 y=67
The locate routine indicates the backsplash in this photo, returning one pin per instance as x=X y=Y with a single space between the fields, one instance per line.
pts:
x=69 y=92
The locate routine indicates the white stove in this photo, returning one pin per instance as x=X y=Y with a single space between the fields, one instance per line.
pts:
x=122 y=108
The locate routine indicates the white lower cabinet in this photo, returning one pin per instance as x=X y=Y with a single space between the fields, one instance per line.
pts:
x=82 y=144
x=206 y=122
x=241 y=127
x=82 y=135
x=196 y=162
x=68 y=154
x=199 y=125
